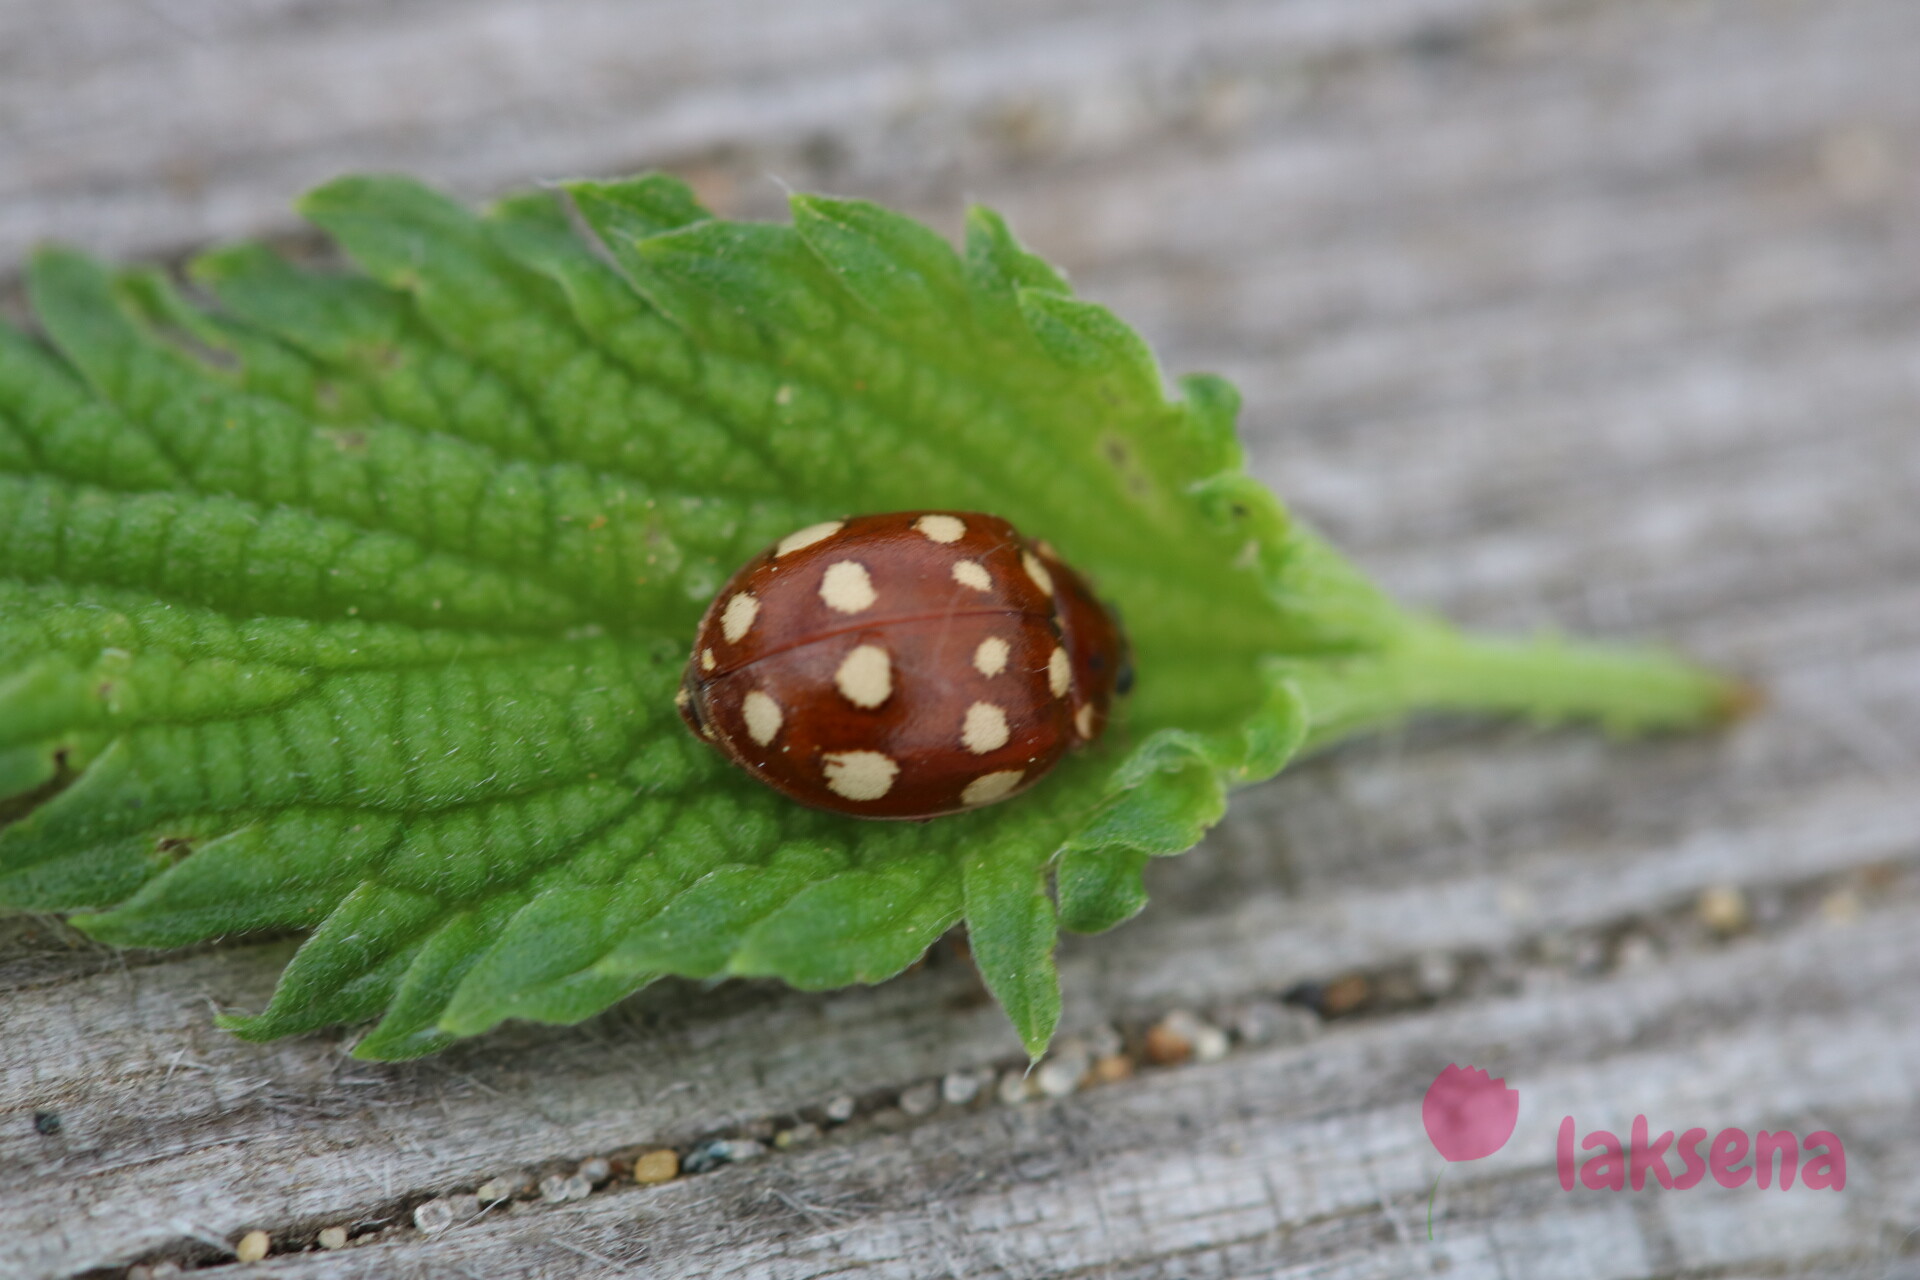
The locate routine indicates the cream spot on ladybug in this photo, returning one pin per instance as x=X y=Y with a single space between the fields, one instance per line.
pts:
x=971 y=573
x=865 y=676
x=942 y=528
x=985 y=728
x=847 y=587
x=807 y=537
x=762 y=715
x=989 y=787
x=1059 y=672
x=1083 y=720
x=706 y=660
x=738 y=618
x=1037 y=571
x=990 y=659
x=859 y=775
x=681 y=697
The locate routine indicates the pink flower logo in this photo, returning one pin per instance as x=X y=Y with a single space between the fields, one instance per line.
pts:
x=1468 y=1114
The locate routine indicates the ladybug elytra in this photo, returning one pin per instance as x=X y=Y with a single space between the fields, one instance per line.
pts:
x=904 y=665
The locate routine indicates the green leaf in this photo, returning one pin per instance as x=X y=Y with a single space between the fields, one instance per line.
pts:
x=1011 y=929
x=353 y=603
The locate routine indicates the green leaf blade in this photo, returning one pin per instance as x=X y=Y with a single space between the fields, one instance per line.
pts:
x=354 y=603
x=859 y=925
x=1011 y=929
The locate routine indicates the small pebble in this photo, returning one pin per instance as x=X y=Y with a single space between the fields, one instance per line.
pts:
x=1112 y=1068
x=333 y=1238
x=1014 y=1086
x=1269 y=1022
x=1164 y=1046
x=253 y=1246
x=1344 y=995
x=1060 y=1074
x=962 y=1087
x=921 y=1099
x=657 y=1166
x=1842 y=906
x=560 y=1189
x=1058 y=1079
x=711 y=1155
x=803 y=1132
x=840 y=1110
x=1723 y=909
x=433 y=1217
x=1182 y=1035
x=1635 y=951
x=595 y=1171
x=503 y=1188
x=1103 y=1041
x=1437 y=973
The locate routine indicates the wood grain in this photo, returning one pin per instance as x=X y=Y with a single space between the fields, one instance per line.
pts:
x=1562 y=313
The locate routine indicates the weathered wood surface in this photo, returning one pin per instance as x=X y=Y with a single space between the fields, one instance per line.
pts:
x=1604 y=316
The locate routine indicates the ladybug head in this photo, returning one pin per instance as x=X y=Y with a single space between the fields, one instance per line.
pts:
x=689 y=706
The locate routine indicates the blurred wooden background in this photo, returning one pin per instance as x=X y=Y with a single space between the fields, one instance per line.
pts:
x=1599 y=315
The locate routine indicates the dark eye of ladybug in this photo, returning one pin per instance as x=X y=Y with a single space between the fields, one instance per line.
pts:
x=904 y=665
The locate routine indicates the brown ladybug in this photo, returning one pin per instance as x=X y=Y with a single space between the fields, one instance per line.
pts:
x=904 y=665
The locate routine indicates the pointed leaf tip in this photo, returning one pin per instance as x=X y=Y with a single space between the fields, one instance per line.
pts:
x=1011 y=930
x=636 y=208
x=1000 y=264
x=895 y=266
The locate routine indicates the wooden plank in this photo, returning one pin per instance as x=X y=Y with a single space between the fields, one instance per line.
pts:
x=1598 y=316
x=149 y=127
x=1221 y=1166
